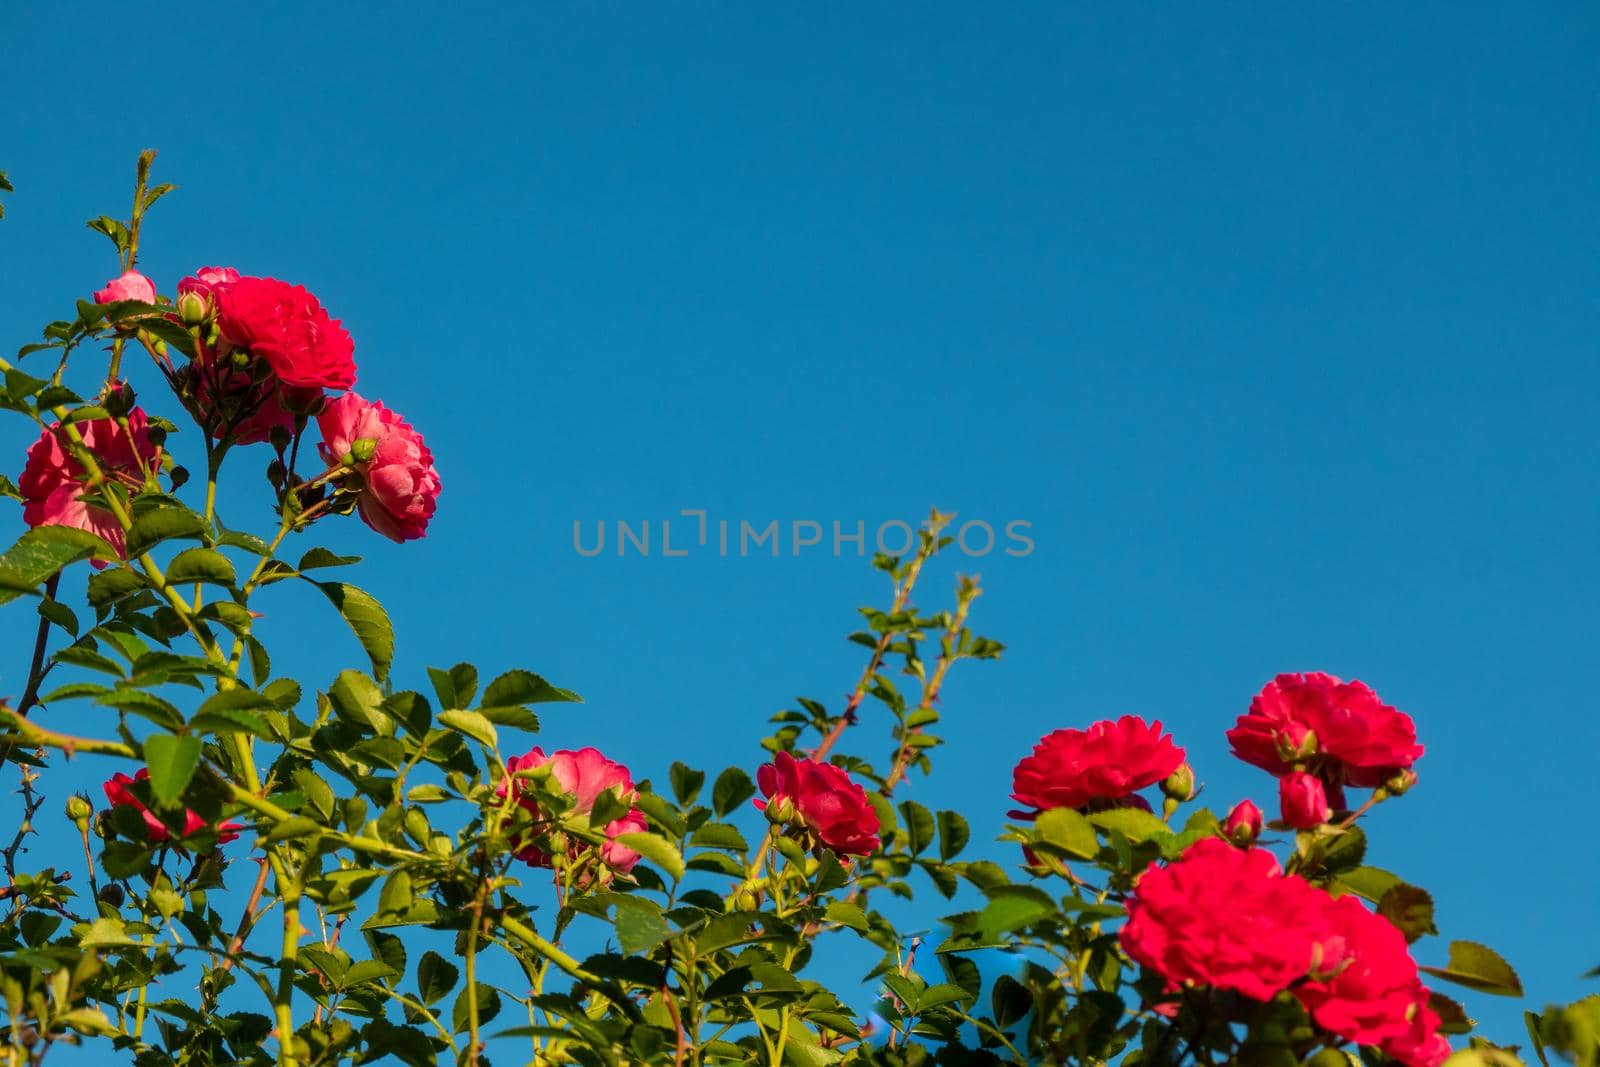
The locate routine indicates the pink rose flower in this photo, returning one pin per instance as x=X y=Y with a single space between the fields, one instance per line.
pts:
x=399 y=488
x=1101 y=766
x=1303 y=801
x=53 y=483
x=822 y=799
x=118 y=793
x=206 y=281
x=130 y=285
x=584 y=774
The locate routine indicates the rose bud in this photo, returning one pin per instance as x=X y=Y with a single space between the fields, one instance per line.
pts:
x=1303 y=800
x=1179 y=785
x=1243 y=824
x=79 y=810
x=192 y=308
x=1400 y=783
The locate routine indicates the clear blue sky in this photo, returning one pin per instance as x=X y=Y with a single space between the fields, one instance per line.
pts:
x=1279 y=327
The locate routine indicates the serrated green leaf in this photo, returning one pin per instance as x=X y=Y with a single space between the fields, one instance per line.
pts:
x=472 y=724
x=172 y=762
x=367 y=620
x=657 y=849
x=201 y=565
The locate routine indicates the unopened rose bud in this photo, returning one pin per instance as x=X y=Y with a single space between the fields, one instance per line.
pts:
x=1243 y=824
x=156 y=434
x=179 y=476
x=1400 y=782
x=79 y=810
x=240 y=360
x=745 y=900
x=119 y=399
x=112 y=894
x=276 y=472
x=192 y=308
x=1179 y=785
x=362 y=449
x=781 y=810
x=1296 y=743
x=1303 y=800
x=301 y=401
x=280 y=437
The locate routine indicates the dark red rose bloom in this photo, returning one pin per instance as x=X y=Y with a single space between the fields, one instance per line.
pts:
x=118 y=793
x=1106 y=763
x=1226 y=917
x=285 y=325
x=1358 y=739
x=821 y=798
x=1364 y=985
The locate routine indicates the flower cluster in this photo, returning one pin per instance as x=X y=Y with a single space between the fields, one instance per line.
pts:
x=1225 y=915
x=1229 y=918
x=265 y=354
x=1317 y=735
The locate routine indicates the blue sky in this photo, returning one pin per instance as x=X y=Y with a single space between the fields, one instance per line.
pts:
x=1277 y=327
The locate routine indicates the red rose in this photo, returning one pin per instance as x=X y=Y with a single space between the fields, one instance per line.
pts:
x=1364 y=985
x=1225 y=917
x=1340 y=728
x=821 y=798
x=1303 y=801
x=53 y=482
x=584 y=774
x=285 y=325
x=1106 y=763
x=118 y=793
x=1422 y=1045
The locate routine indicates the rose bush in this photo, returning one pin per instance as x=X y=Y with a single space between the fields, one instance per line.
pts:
x=360 y=872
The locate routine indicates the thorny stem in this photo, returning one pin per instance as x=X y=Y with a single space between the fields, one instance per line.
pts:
x=902 y=595
x=36 y=672
x=949 y=652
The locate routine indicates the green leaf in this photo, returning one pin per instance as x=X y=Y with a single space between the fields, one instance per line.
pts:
x=231 y=721
x=686 y=782
x=436 y=976
x=172 y=762
x=1068 y=831
x=367 y=619
x=163 y=524
x=1370 y=883
x=919 y=826
x=640 y=924
x=525 y=687
x=954 y=833
x=148 y=705
x=1478 y=967
x=657 y=849
x=1133 y=823
x=472 y=724
x=518 y=717
x=105 y=933
x=488 y=1007
x=201 y=565
x=731 y=789
x=321 y=557
x=1014 y=907
x=1410 y=909
x=41 y=552
x=846 y=914
x=112 y=584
